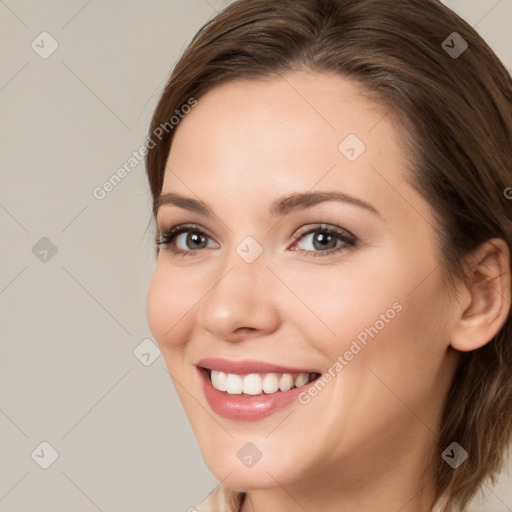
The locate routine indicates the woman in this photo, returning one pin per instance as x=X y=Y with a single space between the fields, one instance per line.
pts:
x=332 y=286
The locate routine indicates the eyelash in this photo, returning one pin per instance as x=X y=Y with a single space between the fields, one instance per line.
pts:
x=349 y=240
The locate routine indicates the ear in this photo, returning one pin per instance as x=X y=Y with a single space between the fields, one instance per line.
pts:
x=486 y=302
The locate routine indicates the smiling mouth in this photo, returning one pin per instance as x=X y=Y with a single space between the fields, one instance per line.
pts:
x=253 y=384
x=251 y=390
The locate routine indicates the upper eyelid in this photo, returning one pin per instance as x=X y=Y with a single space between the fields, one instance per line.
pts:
x=179 y=229
x=185 y=226
x=337 y=230
x=302 y=230
x=298 y=234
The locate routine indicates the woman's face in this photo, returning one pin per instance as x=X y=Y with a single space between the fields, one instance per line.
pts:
x=308 y=254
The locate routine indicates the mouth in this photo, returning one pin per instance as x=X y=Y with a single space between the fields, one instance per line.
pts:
x=251 y=390
x=253 y=384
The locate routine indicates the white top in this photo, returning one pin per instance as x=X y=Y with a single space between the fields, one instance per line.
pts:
x=222 y=499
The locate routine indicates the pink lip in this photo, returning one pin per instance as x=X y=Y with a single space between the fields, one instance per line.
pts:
x=241 y=407
x=246 y=367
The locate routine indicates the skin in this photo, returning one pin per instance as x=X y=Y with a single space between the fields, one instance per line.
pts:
x=368 y=436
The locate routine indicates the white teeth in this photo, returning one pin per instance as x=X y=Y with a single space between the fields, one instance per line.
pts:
x=270 y=383
x=219 y=381
x=286 y=382
x=234 y=384
x=301 y=379
x=256 y=384
x=252 y=384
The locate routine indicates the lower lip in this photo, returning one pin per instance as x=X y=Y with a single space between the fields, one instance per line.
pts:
x=246 y=408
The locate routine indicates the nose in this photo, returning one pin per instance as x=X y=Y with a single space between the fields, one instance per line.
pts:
x=241 y=303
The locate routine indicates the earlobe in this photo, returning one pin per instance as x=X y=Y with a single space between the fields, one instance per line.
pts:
x=489 y=287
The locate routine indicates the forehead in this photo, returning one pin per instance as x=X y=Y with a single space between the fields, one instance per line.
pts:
x=271 y=137
x=300 y=107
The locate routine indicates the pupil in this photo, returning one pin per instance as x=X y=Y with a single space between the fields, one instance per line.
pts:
x=196 y=239
x=321 y=240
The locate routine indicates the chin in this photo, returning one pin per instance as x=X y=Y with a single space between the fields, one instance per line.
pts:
x=234 y=468
x=243 y=479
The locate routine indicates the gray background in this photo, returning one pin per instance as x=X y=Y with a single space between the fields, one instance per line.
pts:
x=71 y=321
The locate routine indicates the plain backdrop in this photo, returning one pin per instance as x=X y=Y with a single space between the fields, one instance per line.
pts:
x=89 y=420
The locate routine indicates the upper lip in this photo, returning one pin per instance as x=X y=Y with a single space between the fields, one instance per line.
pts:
x=246 y=366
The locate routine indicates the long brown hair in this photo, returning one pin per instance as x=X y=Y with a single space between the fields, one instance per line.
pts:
x=455 y=115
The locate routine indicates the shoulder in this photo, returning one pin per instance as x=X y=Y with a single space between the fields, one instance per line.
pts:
x=221 y=499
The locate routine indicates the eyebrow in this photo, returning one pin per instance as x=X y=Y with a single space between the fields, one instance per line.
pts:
x=280 y=207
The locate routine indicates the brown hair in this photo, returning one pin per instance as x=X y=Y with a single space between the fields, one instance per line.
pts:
x=456 y=114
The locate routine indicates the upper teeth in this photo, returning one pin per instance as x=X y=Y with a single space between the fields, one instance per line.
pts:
x=255 y=383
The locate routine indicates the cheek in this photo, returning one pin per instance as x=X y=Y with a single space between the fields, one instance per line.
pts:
x=399 y=322
x=169 y=300
x=344 y=301
x=385 y=309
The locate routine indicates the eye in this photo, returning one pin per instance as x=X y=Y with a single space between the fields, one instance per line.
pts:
x=323 y=240
x=186 y=239
x=320 y=240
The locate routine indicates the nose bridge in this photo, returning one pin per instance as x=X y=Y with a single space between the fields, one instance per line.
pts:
x=243 y=268
x=241 y=278
x=241 y=296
